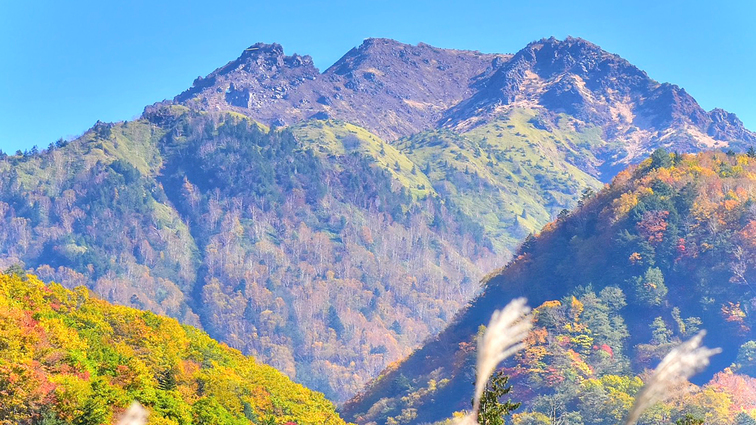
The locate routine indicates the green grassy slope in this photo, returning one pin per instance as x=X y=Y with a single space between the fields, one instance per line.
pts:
x=509 y=175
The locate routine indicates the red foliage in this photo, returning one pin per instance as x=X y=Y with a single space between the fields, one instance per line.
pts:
x=607 y=349
x=742 y=388
x=553 y=377
x=653 y=225
x=733 y=313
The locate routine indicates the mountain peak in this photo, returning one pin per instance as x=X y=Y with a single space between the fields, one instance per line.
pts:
x=396 y=89
x=371 y=50
x=261 y=48
x=372 y=42
x=550 y=56
x=259 y=68
x=269 y=55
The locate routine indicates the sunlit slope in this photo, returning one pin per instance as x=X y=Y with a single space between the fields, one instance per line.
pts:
x=667 y=249
x=512 y=175
x=68 y=357
x=223 y=223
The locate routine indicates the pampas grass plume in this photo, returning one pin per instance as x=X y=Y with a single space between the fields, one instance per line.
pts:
x=503 y=337
x=134 y=415
x=675 y=369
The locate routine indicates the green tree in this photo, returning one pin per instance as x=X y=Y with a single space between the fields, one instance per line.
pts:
x=16 y=269
x=689 y=419
x=743 y=418
x=660 y=333
x=94 y=412
x=650 y=288
x=660 y=159
x=334 y=321
x=746 y=360
x=492 y=409
x=207 y=411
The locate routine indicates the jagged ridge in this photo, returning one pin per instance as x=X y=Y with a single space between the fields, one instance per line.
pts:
x=395 y=90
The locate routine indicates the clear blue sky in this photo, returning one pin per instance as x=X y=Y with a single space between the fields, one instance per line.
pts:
x=66 y=64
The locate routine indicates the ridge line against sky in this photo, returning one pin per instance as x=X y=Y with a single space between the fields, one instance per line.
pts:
x=68 y=64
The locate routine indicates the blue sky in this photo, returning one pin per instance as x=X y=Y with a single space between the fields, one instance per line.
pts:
x=66 y=64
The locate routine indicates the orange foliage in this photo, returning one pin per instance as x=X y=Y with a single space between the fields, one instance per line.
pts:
x=733 y=313
x=653 y=225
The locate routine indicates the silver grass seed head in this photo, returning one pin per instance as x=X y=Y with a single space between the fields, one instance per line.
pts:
x=675 y=369
x=134 y=415
x=503 y=337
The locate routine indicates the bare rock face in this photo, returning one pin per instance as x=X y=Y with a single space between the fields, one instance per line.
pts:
x=262 y=79
x=390 y=88
x=577 y=78
x=723 y=125
x=397 y=90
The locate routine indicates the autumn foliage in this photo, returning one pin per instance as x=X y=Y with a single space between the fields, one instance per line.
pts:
x=67 y=357
x=666 y=250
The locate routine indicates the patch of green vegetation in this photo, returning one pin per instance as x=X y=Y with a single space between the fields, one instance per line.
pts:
x=509 y=175
x=340 y=138
x=135 y=142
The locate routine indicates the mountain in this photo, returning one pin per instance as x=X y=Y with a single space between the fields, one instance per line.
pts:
x=389 y=88
x=328 y=223
x=68 y=357
x=665 y=250
x=397 y=90
x=318 y=255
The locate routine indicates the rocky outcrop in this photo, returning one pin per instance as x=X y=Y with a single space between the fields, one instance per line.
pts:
x=393 y=89
x=396 y=90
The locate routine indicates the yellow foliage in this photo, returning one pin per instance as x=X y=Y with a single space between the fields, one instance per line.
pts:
x=576 y=309
x=76 y=351
x=623 y=204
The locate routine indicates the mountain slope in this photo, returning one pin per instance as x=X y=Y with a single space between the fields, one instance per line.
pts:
x=672 y=238
x=327 y=223
x=68 y=357
x=636 y=113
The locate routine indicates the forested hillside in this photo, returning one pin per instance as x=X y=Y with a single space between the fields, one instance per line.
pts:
x=665 y=250
x=68 y=357
x=328 y=223
x=320 y=249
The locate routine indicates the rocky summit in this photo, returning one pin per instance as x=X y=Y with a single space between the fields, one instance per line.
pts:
x=390 y=88
x=396 y=90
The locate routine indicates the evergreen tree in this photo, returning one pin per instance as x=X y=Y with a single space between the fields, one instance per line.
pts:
x=689 y=419
x=334 y=321
x=743 y=418
x=492 y=409
x=650 y=288
x=660 y=159
x=660 y=333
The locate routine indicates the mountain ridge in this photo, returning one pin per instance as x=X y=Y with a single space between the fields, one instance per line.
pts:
x=461 y=89
x=344 y=90
x=339 y=187
x=648 y=246
x=69 y=357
